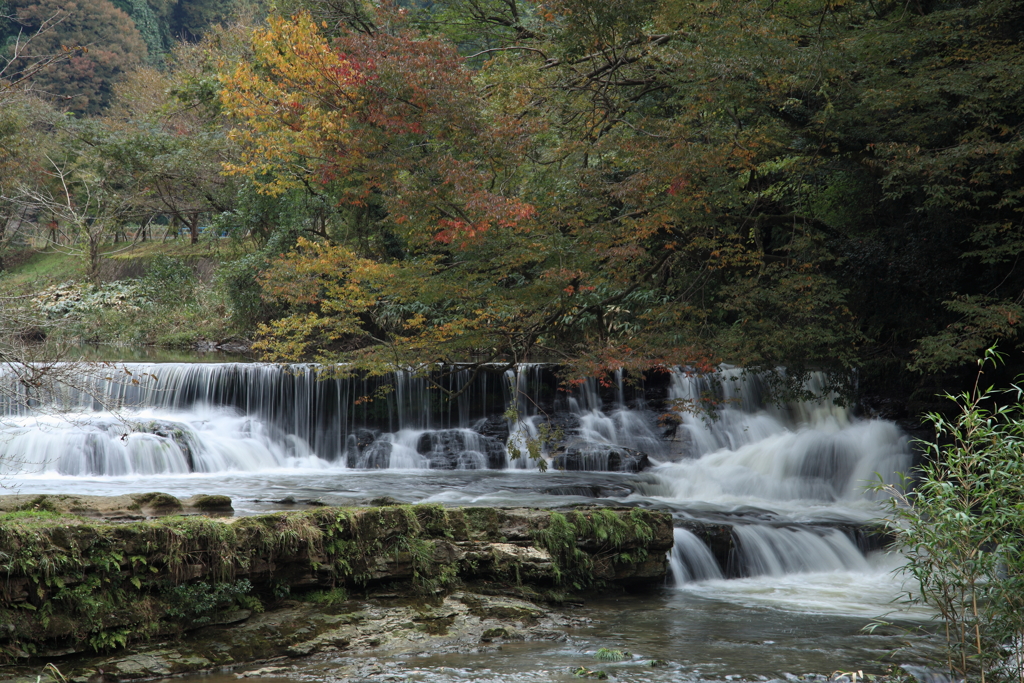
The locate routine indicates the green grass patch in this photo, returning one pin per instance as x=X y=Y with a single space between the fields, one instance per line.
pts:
x=40 y=270
x=222 y=248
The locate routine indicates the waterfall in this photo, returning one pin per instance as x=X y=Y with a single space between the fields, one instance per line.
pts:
x=177 y=418
x=754 y=451
x=766 y=550
x=767 y=493
x=691 y=559
x=246 y=417
x=148 y=443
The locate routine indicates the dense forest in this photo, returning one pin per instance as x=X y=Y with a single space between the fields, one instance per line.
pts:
x=813 y=184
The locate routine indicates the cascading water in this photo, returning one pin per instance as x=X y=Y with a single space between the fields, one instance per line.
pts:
x=691 y=559
x=275 y=416
x=783 y=490
x=766 y=493
x=770 y=551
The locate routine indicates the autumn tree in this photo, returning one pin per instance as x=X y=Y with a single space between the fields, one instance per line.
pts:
x=430 y=177
x=641 y=183
x=83 y=83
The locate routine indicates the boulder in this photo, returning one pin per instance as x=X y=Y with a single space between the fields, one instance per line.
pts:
x=358 y=442
x=376 y=456
x=591 y=456
x=493 y=426
x=461 y=449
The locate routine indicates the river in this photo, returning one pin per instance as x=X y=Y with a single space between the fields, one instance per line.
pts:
x=789 y=483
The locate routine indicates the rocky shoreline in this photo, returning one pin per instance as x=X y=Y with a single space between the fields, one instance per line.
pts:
x=266 y=643
x=109 y=587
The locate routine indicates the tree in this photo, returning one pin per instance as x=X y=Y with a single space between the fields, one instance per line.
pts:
x=21 y=61
x=176 y=147
x=84 y=81
x=85 y=190
x=647 y=182
x=510 y=224
x=26 y=134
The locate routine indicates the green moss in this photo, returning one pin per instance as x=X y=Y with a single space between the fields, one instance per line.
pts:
x=102 y=584
x=484 y=523
x=157 y=500
x=36 y=516
x=39 y=504
x=610 y=531
x=210 y=503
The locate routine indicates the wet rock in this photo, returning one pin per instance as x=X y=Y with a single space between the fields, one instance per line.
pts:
x=157 y=504
x=493 y=426
x=377 y=456
x=234 y=345
x=720 y=541
x=461 y=449
x=171 y=431
x=208 y=503
x=655 y=388
x=408 y=550
x=458 y=623
x=267 y=671
x=565 y=422
x=577 y=454
x=590 y=491
x=358 y=442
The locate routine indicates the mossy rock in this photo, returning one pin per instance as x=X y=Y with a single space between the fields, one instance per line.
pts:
x=155 y=501
x=39 y=504
x=208 y=503
x=112 y=581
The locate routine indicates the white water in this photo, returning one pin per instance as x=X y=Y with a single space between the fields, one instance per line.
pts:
x=871 y=592
x=691 y=560
x=148 y=442
x=798 y=467
x=778 y=475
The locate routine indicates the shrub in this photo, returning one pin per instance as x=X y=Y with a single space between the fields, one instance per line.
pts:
x=170 y=280
x=962 y=528
x=194 y=604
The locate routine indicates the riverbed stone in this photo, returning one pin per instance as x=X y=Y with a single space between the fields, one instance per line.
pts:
x=125 y=508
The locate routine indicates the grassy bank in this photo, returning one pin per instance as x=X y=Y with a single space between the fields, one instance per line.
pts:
x=168 y=294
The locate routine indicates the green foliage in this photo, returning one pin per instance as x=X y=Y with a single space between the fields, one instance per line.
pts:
x=630 y=185
x=110 y=639
x=332 y=597
x=960 y=526
x=536 y=447
x=169 y=280
x=644 y=184
x=194 y=604
x=605 y=655
x=148 y=25
x=574 y=567
x=584 y=672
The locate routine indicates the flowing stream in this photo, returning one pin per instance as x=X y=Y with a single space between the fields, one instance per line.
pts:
x=772 y=571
